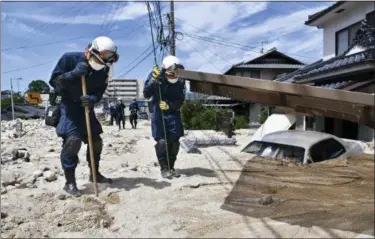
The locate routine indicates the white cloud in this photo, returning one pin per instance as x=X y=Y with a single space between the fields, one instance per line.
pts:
x=306 y=47
x=130 y=11
x=213 y=16
x=16 y=28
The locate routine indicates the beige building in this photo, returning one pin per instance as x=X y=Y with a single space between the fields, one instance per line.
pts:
x=123 y=89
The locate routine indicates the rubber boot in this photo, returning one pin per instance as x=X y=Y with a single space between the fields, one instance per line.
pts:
x=71 y=185
x=174 y=148
x=99 y=177
x=165 y=172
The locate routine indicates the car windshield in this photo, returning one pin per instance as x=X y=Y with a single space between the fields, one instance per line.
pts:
x=276 y=151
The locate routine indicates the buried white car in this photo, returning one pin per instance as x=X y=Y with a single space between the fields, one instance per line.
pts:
x=303 y=146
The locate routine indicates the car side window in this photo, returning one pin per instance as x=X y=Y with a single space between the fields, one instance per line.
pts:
x=326 y=149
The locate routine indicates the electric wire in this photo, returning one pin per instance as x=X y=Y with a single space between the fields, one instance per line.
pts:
x=41 y=64
x=142 y=60
x=86 y=10
x=226 y=43
x=139 y=56
x=76 y=38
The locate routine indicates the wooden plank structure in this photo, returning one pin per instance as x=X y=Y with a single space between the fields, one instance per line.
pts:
x=290 y=98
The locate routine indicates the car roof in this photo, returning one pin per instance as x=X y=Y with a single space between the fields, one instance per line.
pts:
x=298 y=138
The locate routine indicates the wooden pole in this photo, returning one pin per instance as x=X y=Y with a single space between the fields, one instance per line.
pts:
x=89 y=137
x=172 y=30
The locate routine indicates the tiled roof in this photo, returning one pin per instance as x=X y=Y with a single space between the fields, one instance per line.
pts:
x=290 y=77
x=273 y=66
x=319 y=14
x=337 y=85
x=336 y=63
x=363 y=49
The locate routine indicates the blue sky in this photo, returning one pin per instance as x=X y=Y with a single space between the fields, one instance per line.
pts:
x=35 y=34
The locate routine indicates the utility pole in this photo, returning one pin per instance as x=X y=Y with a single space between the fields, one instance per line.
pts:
x=263 y=42
x=18 y=84
x=172 y=39
x=11 y=97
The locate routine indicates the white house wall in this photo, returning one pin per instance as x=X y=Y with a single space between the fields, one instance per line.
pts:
x=270 y=74
x=354 y=12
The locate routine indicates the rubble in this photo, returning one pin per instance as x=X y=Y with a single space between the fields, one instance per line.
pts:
x=38 y=173
x=9 y=178
x=49 y=176
x=37 y=207
x=266 y=200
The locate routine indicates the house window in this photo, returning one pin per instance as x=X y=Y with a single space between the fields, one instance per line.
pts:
x=255 y=74
x=249 y=73
x=238 y=73
x=345 y=37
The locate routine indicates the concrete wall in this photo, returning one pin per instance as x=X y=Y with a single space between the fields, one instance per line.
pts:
x=270 y=74
x=319 y=123
x=355 y=11
x=365 y=133
x=254 y=113
x=300 y=122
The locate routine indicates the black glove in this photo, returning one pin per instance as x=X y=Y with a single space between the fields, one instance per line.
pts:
x=88 y=100
x=82 y=69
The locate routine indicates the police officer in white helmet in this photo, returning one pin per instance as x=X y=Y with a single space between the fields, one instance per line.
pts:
x=166 y=107
x=94 y=64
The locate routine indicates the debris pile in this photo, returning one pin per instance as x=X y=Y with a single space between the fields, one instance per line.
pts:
x=65 y=215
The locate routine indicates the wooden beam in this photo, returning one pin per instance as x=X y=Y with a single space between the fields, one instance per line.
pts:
x=279 y=87
x=306 y=105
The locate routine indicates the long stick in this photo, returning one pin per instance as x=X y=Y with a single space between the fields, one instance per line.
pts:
x=89 y=137
x=160 y=98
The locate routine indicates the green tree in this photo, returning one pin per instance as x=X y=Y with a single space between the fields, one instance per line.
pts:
x=17 y=99
x=240 y=122
x=39 y=86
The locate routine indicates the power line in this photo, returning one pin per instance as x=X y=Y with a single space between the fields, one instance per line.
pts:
x=202 y=55
x=76 y=38
x=105 y=18
x=139 y=56
x=20 y=69
x=111 y=22
x=46 y=26
x=143 y=59
x=243 y=48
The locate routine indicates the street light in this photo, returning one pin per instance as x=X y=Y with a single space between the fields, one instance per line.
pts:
x=11 y=97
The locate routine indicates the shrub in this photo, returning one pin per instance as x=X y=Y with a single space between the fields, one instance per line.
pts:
x=240 y=122
x=197 y=117
x=263 y=115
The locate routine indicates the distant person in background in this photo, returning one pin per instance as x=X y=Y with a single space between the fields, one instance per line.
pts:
x=112 y=113
x=133 y=108
x=120 y=114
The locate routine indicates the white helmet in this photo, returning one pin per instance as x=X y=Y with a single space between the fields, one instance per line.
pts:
x=169 y=61
x=104 y=50
x=170 y=64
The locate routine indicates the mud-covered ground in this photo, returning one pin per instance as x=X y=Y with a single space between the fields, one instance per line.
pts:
x=140 y=203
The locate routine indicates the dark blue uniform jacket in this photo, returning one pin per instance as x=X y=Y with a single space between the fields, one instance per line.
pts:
x=174 y=96
x=72 y=118
x=133 y=108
